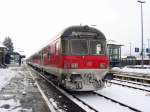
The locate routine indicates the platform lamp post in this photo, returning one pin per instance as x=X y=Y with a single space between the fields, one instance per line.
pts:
x=148 y=49
x=130 y=47
x=148 y=44
x=141 y=2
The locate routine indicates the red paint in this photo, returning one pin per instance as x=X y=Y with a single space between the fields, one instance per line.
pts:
x=60 y=61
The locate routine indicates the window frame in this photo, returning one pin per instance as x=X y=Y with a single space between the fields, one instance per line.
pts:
x=49 y=52
x=103 y=47
x=57 y=48
x=79 y=54
x=68 y=46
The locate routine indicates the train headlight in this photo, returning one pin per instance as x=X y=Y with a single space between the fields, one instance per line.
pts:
x=102 y=66
x=74 y=65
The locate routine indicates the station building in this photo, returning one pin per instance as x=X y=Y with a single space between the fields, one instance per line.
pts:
x=2 y=53
x=114 y=51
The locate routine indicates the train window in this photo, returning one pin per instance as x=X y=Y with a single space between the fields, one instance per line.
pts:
x=56 y=48
x=97 y=47
x=41 y=53
x=114 y=53
x=48 y=53
x=44 y=50
x=64 y=45
x=79 y=47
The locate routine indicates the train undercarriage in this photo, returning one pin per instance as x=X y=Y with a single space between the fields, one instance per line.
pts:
x=78 y=80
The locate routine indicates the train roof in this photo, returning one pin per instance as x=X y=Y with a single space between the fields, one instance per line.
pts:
x=86 y=31
x=69 y=33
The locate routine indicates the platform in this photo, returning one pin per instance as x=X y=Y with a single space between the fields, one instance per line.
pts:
x=21 y=94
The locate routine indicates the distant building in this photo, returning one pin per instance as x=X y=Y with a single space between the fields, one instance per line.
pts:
x=2 y=53
x=114 y=51
x=129 y=60
x=14 y=58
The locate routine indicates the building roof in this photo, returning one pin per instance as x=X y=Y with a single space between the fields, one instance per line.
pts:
x=113 y=42
x=2 y=46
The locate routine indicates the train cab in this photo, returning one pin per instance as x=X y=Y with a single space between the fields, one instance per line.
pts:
x=85 y=60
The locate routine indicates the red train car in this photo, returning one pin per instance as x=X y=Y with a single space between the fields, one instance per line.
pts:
x=77 y=58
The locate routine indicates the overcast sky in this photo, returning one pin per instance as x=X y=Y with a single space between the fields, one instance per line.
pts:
x=32 y=23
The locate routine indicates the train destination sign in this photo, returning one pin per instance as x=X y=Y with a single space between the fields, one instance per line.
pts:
x=83 y=33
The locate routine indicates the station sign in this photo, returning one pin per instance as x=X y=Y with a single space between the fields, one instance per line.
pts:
x=147 y=50
x=136 y=49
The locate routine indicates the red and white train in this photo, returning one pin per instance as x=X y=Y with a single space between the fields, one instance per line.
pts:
x=77 y=58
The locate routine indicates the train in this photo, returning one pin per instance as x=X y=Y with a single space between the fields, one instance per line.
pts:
x=77 y=58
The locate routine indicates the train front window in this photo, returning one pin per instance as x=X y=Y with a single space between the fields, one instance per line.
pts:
x=64 y=46
x=97 y=47
x=79 y=47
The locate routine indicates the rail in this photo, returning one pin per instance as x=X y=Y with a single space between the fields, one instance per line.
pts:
x=129 y=77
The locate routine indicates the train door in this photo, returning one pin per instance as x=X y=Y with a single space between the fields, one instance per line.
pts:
x=41 y=58
x=49 y=55
x=57 y=53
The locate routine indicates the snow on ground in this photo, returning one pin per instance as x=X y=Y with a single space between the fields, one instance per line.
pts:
x=54 y=103
x=132 y=97
x=132 y=85
x=136 y=70
x=5 y=76
x=9 y=105
x=12 y=105
x=101 y=104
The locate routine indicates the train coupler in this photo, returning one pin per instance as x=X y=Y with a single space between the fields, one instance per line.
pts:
x=107 y=79
x=108 y=76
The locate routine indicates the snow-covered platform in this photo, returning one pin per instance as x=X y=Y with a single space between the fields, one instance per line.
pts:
x=18 y=92
x=135 y=73
x=145 y=69
x=136 y=70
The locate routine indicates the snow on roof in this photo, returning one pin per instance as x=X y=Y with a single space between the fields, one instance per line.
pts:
x=113 y=42
x=129 y=57
x=1 y=45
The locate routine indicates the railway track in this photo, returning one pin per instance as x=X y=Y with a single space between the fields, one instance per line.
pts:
x=118 y=102
x=84 y=107
x=84 y=104
x=95 y=110
x=106 y=99
x=133 y=87
x=136 y=77
x=131 y=82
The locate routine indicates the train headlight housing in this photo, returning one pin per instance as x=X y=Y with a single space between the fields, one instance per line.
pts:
x=102 y=66
x=74 y=65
